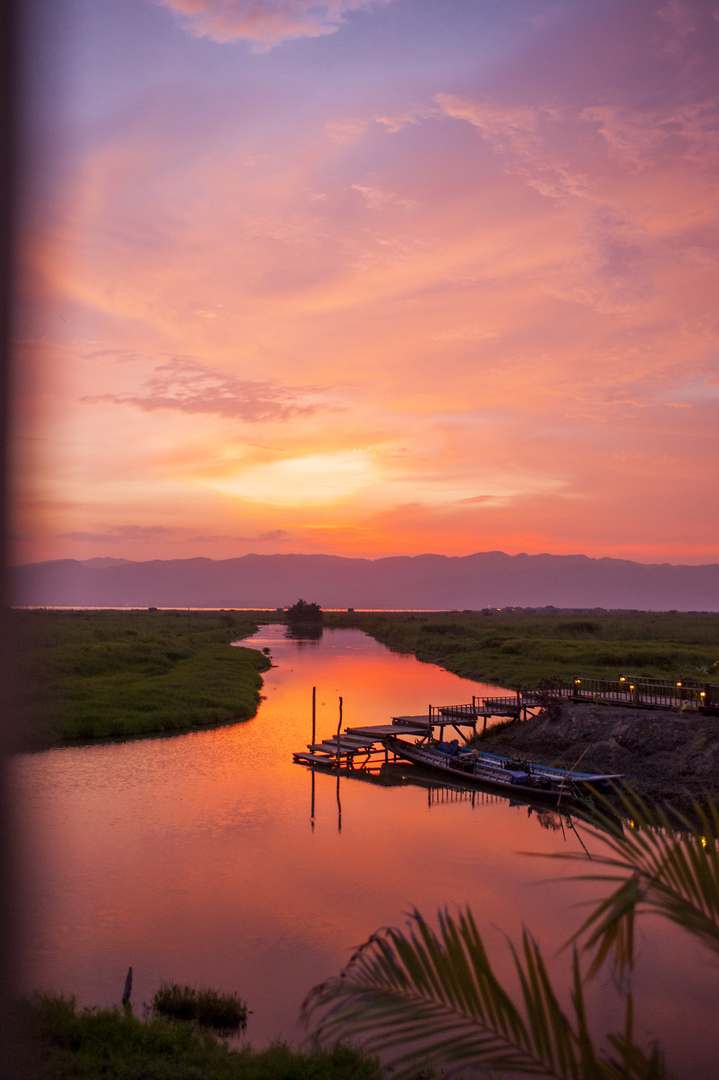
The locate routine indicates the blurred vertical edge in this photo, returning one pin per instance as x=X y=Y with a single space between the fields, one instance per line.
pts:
x=12 y=1056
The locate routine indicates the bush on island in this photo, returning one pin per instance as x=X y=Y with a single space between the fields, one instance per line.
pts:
x=304 y=613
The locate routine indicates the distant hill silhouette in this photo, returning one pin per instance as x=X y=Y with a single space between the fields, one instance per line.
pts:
x=486 y=579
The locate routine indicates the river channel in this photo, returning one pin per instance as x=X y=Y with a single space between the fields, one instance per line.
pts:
x=196 y=859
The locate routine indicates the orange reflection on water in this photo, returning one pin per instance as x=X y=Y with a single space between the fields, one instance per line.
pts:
x=195 y=859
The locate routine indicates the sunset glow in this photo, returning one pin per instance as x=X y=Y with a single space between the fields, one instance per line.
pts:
x=370 y=277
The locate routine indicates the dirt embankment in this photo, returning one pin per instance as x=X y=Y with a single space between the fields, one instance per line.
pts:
x=665 y=755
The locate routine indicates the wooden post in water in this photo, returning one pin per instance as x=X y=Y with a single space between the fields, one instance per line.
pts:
x=339 y=804
x=312 y=801
x=314 y=712
x=128 y=990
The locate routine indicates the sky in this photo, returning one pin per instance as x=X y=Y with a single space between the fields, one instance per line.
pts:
x=368 y=278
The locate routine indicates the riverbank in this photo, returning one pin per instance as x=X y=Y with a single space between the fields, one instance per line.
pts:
x=108 y=674
x=519 y=647
x=666 y=756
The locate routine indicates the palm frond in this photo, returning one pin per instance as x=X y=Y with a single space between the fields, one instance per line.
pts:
x=665 y=865
x=434 y=998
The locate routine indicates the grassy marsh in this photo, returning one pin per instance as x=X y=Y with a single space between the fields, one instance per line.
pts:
x=518 y=648
x=99 y=674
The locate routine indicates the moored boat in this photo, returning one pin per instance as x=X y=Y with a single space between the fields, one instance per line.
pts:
x=472 y=765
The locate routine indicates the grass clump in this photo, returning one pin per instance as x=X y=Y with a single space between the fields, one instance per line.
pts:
x=205 y=1006
x=100 y=674
x=67 y=1043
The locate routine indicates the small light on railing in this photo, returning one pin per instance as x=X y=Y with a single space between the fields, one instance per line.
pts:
x=704 y=841
x=702 y=694
x=679 y=684
x=622 y=679
x=631 y=687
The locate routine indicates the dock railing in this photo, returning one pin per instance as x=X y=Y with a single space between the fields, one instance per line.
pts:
x=499 y=706
x=439 y=713
x=687 y=695
x=634 y=690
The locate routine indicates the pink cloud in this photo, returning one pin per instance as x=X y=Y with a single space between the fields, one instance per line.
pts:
x=184 y=385
x=265 y=23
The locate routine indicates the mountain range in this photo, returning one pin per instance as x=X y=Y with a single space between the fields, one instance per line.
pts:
x=420 y=582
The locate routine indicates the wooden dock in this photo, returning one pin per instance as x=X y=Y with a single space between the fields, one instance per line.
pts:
x=359 y=746
x=364 y=745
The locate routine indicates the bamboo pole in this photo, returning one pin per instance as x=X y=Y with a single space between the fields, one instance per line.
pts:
x=314 y=712
x=339 y=728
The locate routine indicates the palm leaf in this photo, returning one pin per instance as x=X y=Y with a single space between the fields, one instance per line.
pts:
x=433 y=998
x=662 y=864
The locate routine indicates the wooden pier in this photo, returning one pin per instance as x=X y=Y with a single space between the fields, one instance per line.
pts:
x=361 y=746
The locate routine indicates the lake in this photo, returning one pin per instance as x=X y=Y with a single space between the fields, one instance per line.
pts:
x=194 y=858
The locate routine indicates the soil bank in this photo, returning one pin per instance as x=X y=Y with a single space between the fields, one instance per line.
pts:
x=666 y=756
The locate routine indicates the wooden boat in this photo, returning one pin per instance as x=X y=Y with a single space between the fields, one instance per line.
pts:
x=511 y=774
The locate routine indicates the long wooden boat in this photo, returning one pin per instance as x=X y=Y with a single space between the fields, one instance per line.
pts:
x=511 y=774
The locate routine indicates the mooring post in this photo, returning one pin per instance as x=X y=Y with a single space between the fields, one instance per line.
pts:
x=314 y=712
x=339 y=728
x=128 y=989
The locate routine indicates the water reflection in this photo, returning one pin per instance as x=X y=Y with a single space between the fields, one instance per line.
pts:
x=190 y=858
x=403 y=774
x=304 y=634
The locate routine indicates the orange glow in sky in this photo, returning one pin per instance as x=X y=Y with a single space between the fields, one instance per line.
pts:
x=370 y=277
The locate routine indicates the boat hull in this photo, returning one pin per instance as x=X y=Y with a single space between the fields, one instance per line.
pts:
x=522 y=778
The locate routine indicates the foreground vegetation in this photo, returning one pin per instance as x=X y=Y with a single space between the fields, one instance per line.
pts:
x=433 y=996
x=517 y=648
x=63 y=1042
x=95 y=674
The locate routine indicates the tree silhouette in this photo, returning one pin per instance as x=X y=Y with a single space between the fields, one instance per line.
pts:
x=303 y=613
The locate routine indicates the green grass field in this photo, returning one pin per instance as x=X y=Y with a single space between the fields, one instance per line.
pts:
x=517 y=648
x=99 y=674
x=63 y=1042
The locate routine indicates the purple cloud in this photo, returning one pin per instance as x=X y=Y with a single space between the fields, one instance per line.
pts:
x=263 y=22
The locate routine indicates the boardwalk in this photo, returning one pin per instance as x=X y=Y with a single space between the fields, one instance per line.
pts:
x=639 y=691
